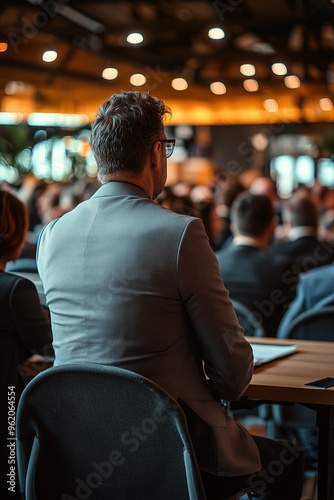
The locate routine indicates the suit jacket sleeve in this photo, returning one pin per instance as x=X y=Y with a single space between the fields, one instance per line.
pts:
x=227 y=356
x=31 y=320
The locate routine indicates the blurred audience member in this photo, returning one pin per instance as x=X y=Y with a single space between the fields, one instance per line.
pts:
x=315 y=289
x=24 y=324
x=257 y=279
x=267 y=187
x=205 y=203
x=304 y=247
x=213 y=223
x=227 y=192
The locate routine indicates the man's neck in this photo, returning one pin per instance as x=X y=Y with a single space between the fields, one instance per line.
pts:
x=241 y=239
x=141 y=181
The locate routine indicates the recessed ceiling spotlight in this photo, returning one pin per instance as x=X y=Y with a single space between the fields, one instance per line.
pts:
x=137 y=79
x=134 y=38
x=270 y=105
x=247 y=69
x=279 y=69
x=218 y=88
x=251 y=85
x=179 y=84
x=216 y=33
x=292 y=82
x=3 y=46
x=110 y=73
x=49 y=55
x=326 y=104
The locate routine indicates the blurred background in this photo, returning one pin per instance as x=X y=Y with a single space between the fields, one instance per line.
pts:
x=250 y=83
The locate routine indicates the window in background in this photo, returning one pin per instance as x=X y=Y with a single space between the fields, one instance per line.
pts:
x=326 y=172
x=282 y=169
x=304 y=170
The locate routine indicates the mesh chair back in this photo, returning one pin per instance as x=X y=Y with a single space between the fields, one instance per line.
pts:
x=316 y=324
x=251 y=325
x=90 y=431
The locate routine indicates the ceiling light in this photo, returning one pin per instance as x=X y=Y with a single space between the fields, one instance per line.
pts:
x=137 y=79
x=218 y=88
x=49 y=55
x=326 y=104
x=279 y=69
x=292 y=82
x=247 y=69
x=270 y=105
x=251 y=85
x=110 y=73
x=134 y=38
x=3 y=46
x=216 y=33
x=179 y=84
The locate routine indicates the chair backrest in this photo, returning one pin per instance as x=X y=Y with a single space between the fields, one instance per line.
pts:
x=251 y=325
x=24 y=265
x=98 y=432
x=315 y=324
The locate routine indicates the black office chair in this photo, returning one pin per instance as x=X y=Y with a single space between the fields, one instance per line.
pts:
x=251 y=325
x=102 y=432
x=315 y=324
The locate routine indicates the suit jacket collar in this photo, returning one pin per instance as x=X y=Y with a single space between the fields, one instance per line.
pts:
x=120 y=188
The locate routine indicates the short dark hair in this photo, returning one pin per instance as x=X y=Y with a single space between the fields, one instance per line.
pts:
x=251 y=214
x=124 y=130
x=302 y=211
x=13 y=225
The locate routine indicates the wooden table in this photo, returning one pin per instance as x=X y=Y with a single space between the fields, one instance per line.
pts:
x=282 y=381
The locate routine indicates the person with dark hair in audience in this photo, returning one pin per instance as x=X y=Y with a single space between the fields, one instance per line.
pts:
x=132 y=284
x=304 y=247
x=254 y=277
x=24 y=324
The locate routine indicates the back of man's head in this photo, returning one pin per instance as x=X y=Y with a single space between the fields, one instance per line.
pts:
x=252 y=214
x=302 y=211
x=123 y=132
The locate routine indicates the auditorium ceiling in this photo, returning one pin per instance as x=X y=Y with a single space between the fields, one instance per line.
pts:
x=261 y=61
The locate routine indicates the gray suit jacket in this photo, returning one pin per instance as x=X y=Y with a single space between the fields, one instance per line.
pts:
x=134 y=285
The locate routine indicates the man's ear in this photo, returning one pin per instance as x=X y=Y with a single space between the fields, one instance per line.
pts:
x=156 y=155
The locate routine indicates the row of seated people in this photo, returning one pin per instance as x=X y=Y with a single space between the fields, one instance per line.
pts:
x=262 y=244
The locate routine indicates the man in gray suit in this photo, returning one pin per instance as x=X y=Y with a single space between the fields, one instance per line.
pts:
x=132 y=284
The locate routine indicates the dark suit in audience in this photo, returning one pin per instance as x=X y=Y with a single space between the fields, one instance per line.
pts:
x=262 y=282
x=303 y=246
x=315 y=290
